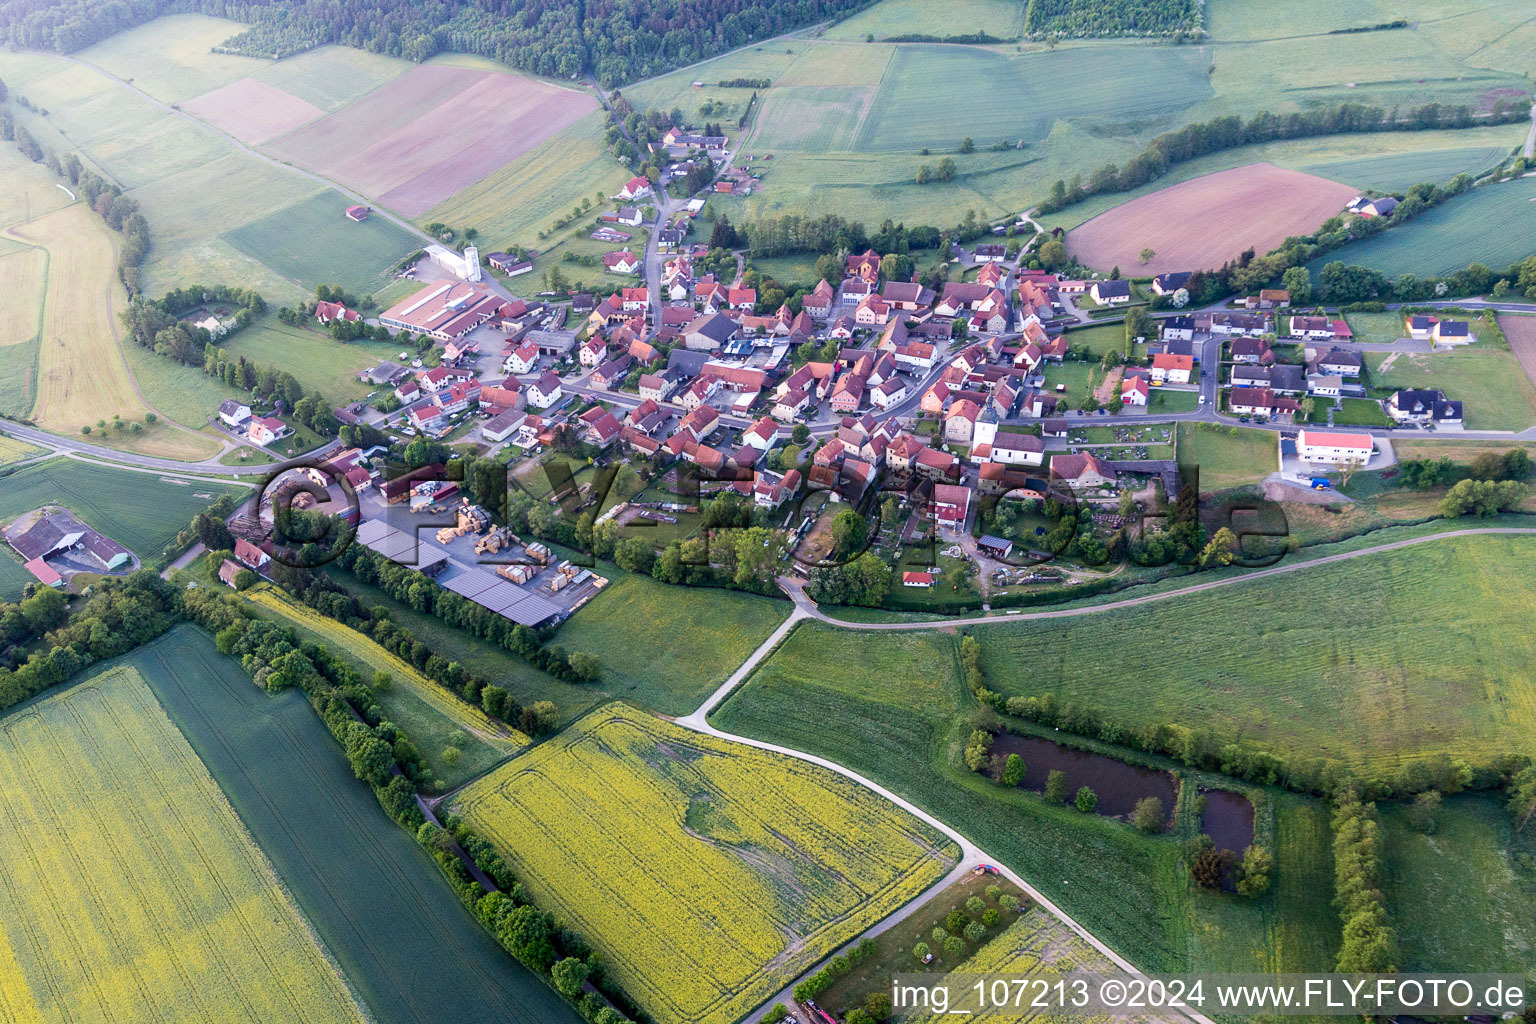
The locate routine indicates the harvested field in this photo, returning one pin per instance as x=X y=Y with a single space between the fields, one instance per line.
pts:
x=1520 y=332
x=1206 y=221
x=432 y=132
x=132 y=891
x=708 y=872
x=21 y=282
x=253 y=111
x=81 y=374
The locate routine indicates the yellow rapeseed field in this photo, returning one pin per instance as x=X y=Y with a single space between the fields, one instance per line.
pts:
x=130 y=889
x=710 y=873
x=343 y=638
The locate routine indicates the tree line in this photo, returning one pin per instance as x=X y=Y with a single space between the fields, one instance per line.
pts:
x=1200 y=748
x=155 y=324
x=1222 y=133
x=120 y=213
x=617 y=40
x=383 y=756
x=1113 y=18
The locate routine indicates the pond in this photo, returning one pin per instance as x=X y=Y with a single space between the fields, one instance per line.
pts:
x=1228 y=820
x=1117 y=784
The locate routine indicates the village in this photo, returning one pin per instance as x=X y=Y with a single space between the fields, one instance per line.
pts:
x=953 y=400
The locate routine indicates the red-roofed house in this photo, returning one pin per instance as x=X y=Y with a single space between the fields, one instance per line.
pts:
x=1135 y=391
x=634 y=188
x=621 y=262
x=960 y=421
x=602 y=426
x=1172 y=368
x=951 y=505
x=251 y=555
x=636 y=300
x=325 y=312
x=1331 y=447
x=264 y=430
x=761 y=435
x=866 y=266
x=521 y=359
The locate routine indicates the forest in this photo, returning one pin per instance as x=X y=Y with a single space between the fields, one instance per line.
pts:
x=1182 y=19
x=616 y=40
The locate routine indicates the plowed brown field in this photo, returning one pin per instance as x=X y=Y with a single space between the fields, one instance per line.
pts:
x=1204 y=222
x=432 y=132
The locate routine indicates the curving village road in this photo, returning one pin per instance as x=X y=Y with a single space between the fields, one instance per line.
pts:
x=972 y=855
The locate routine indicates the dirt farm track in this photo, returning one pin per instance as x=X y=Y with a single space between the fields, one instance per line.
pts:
x=1206 y=221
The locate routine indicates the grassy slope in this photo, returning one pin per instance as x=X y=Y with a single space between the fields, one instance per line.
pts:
x=666 y=647
x=1227 y=456
x=528 y=195
x=1491 y=224
x=1494 y=390
x=1318 y=667
x=319 y=362
x=893 y=708
x=433 y=718
x=525 y=683
x=1457 y=898
x=1090 y=103
x=355 y=256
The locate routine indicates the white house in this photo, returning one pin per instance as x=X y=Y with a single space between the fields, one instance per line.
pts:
x=1324 y=385
x=1171 y=368
x=1018 y=449
x=1111 y=293
x=1332 y=447
x=266 y=429
x=545 y=391
x=521 y=359
x=234 y=413
x=1135 y=391
x=889 y=393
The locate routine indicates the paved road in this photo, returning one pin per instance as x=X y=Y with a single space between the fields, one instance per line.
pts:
x=64 y=444
x=806 y=605
x=971 y=855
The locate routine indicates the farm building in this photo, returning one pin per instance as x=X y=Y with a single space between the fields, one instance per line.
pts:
x=404 y=548
x=58 y=541
x=443 y=311
x=509 y=265
x=358 y=213
x=997 y=547
x=465 y=267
